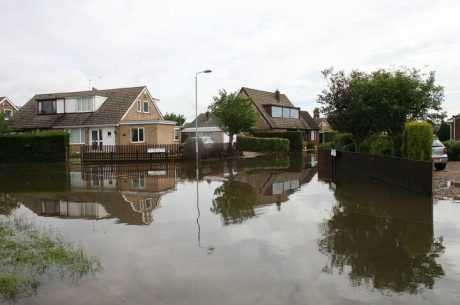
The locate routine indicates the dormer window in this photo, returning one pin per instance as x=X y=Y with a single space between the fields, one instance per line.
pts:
x=85 y=104
x=285 y=112
x=47 y=107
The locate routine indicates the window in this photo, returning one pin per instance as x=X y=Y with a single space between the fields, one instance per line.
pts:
x=146 y=106
x=139 y=182
x=77 y=135
x=137 y=135
x=312 y=135
x=294 y=113
x=139 y=104
x=286 y=113
x=47 y=107
x=8 y=113
x=277 y=112
x=176 y=134
x=85 y=104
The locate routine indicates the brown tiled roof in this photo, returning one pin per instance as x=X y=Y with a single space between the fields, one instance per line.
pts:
x=111 y=111
x=206 y=119
x=308 y=121
x=261 y=98
x=319 y=120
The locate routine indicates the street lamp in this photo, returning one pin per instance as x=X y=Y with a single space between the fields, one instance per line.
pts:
x=196 y=112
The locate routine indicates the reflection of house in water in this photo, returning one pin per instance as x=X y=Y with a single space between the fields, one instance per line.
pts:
x=128 y=193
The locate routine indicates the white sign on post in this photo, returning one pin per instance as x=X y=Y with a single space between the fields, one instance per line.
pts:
x=333 y=152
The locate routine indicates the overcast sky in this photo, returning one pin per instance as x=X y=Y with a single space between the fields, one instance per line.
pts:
x=56 y=46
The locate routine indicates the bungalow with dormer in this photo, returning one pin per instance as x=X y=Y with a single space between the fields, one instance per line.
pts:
x=124 y=116
x=7 y=108
x=276 y=113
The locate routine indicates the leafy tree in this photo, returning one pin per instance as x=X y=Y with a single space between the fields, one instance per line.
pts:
x=6 y=126
x=345 y=104
x=443 y=132
x=178 y=118
x=381 y=101
x=234 y=113
x=316 y=112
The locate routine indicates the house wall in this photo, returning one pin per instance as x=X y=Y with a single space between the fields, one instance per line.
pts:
x=132 y=113
x=153 y=134
x=6 y=105
x=456 y=129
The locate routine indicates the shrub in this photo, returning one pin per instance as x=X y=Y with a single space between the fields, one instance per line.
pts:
x=262 y=144
x=329 y=136
x=417 y=141
x=380 y=145
x=190 y=149
x=43 y=147
x=295 y=138
x=443 y=132
x=453 y=150
x=310 y=146
x=342 y=141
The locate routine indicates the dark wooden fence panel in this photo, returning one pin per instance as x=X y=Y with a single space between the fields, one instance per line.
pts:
x=414 y=176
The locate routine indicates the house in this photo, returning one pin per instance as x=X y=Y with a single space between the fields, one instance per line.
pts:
x=276 y=113
x=324 y=128
x=454 y=123
x=123 y=116
x=207 y=127
x=7 y=108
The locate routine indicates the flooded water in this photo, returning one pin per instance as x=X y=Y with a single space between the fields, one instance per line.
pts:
x=271 y=231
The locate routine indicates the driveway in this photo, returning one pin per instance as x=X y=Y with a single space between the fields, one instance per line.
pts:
x=446 y=183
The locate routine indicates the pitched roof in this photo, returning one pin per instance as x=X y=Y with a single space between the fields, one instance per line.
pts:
x=309 y=122
x=111 y=111
x=264 y=98
x=2 y=98
x=205 y=119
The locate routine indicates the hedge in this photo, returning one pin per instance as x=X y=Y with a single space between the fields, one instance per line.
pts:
x=262 y=144
x=295 y=138
x=417 y=141
x=453 y=150
x=42 y=147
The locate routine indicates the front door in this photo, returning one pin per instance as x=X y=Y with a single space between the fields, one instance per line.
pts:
x=96 y=138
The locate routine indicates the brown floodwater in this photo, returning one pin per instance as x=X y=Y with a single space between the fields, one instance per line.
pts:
x=264 y=231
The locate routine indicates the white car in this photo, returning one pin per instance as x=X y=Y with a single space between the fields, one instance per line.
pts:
x=439 y=155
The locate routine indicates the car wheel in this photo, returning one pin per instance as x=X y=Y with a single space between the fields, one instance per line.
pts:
x=440 y=166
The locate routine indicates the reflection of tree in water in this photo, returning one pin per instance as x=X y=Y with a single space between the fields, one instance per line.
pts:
x=7 y=204
x=234 y=202
x=388 y=253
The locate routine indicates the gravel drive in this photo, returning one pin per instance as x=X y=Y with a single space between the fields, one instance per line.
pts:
x=446 y=183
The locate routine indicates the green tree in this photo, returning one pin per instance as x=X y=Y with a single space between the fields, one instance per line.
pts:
x=380 y=101
x=443 y=132
x=345 y=104
x=178 y=118
x=316 y=112
x=234 y=113
x=6 y=126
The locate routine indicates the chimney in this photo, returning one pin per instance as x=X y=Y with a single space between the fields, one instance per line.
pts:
x=277 y=95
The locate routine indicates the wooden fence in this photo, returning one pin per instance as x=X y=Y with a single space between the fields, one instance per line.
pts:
x=413 y=176
x=145 y=153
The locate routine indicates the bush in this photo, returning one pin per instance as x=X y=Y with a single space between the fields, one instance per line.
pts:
x=380 y=145
x=262 y=144
x=443 y=132
x=417 y=141
x=295 y=138
x=190 y=149
x=342 y=141
x=310 y=146
x=43 y=147
x=329 y=136
x=453 y=150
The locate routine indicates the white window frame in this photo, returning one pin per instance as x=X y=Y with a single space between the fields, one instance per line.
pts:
x=176 y=134
x=89 y=105
x=312 y=135
x=139 y=104
x=148 y=107
x=53 y=106
x=7 y=117
x=292 y=112
x=143 y=135
x=286 y=112
x=273 y=113
x=82 y=131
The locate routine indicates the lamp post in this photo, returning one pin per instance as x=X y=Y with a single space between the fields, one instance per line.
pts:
x=196 y=113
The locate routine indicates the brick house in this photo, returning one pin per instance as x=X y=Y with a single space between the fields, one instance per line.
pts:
x=454 y=124
x=7 y=108
x=276 y=113
x=124 y=116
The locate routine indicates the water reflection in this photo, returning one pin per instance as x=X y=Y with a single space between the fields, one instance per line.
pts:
x=381 y=239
